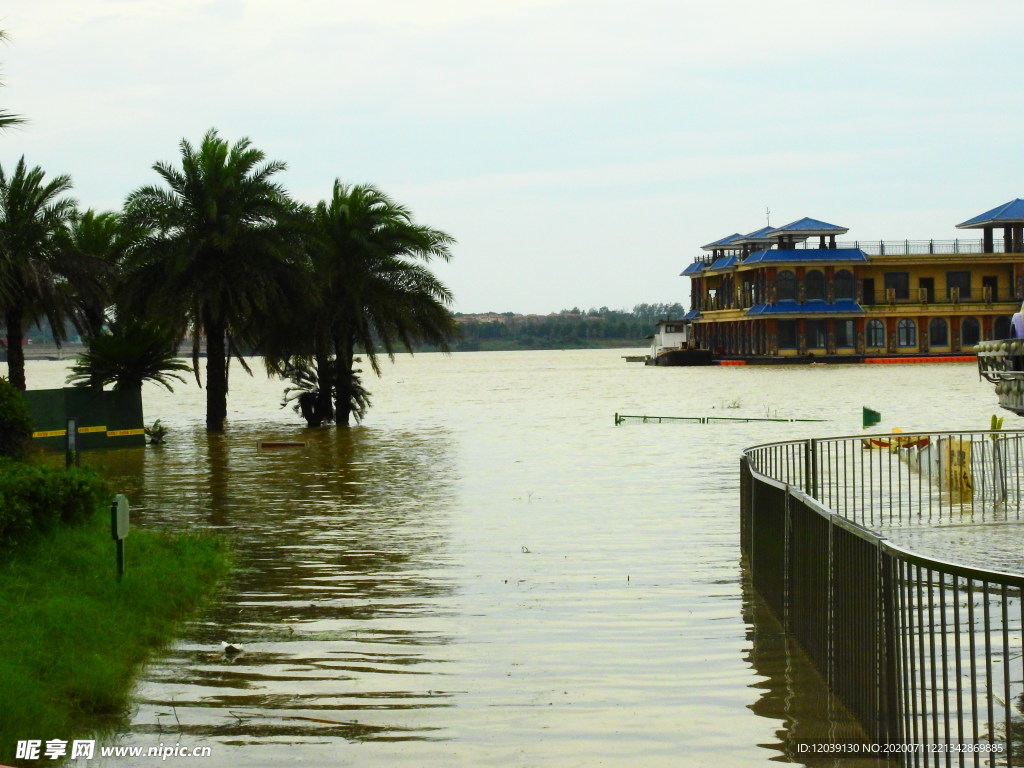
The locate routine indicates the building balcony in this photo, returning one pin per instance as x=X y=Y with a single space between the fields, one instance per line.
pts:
x=958 y=246
x=881 y=301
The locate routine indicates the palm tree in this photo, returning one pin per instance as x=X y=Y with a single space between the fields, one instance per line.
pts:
x=217 y=254
x=308 y=385
x=127 y=353
x=97 y=243
x=34 y=269
x=367 y=257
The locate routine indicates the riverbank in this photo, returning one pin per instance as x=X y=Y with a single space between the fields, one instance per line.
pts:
x=70 y=351
x=520 y=345
x=72 y=638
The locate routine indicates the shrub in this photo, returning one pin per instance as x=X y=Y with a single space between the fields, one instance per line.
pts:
x=15 y=422
x=34 y=499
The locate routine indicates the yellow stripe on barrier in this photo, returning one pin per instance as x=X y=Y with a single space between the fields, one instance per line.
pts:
x=87 y=430
x=124 y=432
x=51 y=433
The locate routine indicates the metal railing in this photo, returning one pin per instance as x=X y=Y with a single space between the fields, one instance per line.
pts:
x=622 y=418
x=928 y=654
x=900 y=247
x=1002 y=363
x=917 y=247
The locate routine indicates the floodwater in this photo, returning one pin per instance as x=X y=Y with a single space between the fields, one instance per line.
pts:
x=489 y=572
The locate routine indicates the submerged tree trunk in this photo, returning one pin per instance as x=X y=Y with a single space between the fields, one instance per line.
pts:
x=326 y=382
x=344 y=361
x=15 y=348
x=216 y=374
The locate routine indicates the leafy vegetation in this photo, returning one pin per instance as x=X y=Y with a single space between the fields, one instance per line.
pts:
x=33 y=268
x=215 y=250
x=15 y=422
x=369 y=290
x=8 y=119
x=569 y=328
x=72 y=637
x=304 y=393
x=125 y=354
x=219 y=252
x=33 y=500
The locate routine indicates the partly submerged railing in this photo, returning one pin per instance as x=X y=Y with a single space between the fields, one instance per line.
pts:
x=622 y=418
x=927 y=653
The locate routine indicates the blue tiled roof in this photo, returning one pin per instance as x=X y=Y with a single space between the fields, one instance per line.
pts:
x=1007 y=213
x=694 y=269
x=814 y=307
x=723 y=262
x=723 y=242
x=811 y=225
x=762 y=234
x=693 y=314
x=806 y=254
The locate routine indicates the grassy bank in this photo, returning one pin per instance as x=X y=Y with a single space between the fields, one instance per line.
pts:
x=72 y=638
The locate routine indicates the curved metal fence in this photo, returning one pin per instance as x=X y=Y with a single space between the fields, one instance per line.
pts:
x=926 y=652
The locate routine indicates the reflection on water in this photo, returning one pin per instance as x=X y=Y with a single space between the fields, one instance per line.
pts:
x=341 y=545
x=490 y=572
x=795 y=695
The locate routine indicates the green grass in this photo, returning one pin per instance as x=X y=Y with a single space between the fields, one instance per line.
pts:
x=72 y=637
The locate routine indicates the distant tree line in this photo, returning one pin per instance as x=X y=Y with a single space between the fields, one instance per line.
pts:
x=569 y=328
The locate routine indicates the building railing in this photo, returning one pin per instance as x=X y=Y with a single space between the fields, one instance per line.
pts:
x=916 y=247
x=1002 y=363
x=956 y=246
x=925 y=652
x=880 y=298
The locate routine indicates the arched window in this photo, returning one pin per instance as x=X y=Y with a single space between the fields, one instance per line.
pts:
x=1001 y=328
x=785 y=285
x=875 y=332
x=844 y=285
x=906 y=333
x=814 y=284
x=970 y=332
x=938 y=332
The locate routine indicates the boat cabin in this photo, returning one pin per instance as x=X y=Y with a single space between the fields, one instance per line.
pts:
x=670 y=335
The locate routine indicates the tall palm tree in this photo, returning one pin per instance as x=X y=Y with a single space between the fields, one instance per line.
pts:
x=217 y=254
x=34 y=268
x=368 y=260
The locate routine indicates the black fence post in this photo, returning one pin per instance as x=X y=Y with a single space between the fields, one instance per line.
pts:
x=890 y=717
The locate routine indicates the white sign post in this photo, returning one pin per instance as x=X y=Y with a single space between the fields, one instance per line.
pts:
x=119 y=528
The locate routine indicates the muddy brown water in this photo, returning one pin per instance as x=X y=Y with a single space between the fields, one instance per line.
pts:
x=489 y=572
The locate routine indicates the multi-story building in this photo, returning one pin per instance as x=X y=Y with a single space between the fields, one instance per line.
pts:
x=793 y=291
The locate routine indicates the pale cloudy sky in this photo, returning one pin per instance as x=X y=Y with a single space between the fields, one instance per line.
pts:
x=581 y=151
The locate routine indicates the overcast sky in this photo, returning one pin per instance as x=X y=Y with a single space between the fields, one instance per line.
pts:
x=580 y=151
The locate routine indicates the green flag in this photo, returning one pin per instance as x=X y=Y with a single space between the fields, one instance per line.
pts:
x=871 y=418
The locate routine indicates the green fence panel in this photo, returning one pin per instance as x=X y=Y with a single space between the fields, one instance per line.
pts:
x=105 y=419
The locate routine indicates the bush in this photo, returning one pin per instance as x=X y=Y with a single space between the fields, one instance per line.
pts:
x=34 y=499
x=15 y=422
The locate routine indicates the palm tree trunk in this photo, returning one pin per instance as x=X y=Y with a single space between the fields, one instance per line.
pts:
x=325 y=394
x=15 y=350
x=344 y=361
x=216 y=374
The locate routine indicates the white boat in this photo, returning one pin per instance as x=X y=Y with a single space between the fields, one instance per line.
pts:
x=670 y=345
